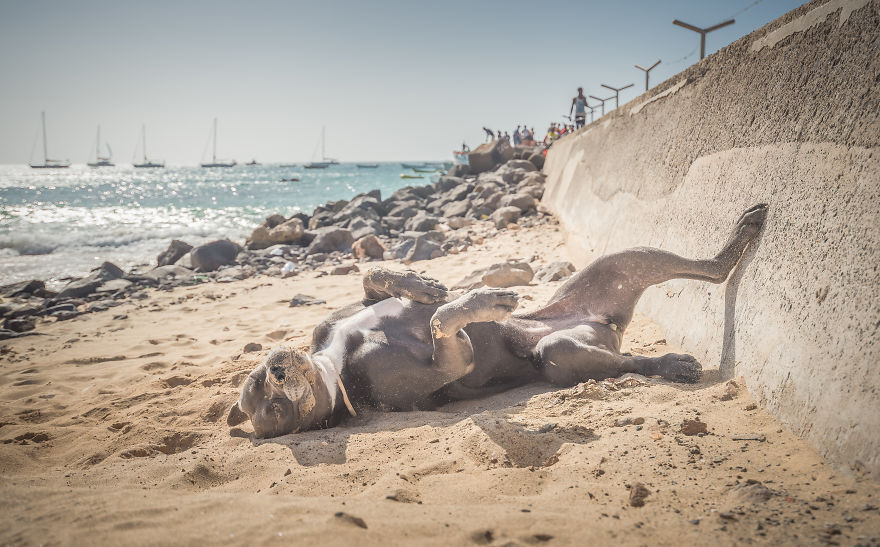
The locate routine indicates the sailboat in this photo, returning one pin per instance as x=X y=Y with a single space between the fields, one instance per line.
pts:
x=146 y=162
x=214 y=162
x=47 y=163
x=101 y=161
x=326 y=162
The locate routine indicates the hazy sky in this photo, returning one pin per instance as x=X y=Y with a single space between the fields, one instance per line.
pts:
x=390 y=80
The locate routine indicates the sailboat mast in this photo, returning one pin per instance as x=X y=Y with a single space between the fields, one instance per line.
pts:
x=45 y=148
x=215 y=141
x=98 y=145
x=144 y=137
x=323 y=154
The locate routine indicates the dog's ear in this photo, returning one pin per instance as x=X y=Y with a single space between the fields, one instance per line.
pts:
x=236 y=415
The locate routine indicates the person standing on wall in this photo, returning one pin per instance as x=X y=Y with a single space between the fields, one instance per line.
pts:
x=579 y=107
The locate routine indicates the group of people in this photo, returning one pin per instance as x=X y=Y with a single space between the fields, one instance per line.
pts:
x=525 y=136
x=522 y=135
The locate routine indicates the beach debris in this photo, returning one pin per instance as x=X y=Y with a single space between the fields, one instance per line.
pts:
x=637 y=494
x=749 y=437
x=731 y=390
x=351 y=519
x=693 y=427
x=305 y=300
x=751 y=406
x=404 y=495
x=251 y=347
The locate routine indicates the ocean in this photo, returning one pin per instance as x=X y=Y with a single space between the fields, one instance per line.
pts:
x=61 y=223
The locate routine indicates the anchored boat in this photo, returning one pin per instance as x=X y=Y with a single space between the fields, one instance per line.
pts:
x=48 y=163
x=214 y=161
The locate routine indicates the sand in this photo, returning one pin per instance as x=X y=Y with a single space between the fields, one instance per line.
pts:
x=113 y=431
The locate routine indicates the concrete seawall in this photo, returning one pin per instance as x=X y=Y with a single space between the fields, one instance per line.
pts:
x=790 y=116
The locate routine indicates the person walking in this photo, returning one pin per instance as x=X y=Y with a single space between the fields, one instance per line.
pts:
x=490 y=136
x=579 y=107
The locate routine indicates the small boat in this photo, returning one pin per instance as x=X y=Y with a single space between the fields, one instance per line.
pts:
x=253 y=162
x=412 y=165
x=325 y=161
x=367 y=165
x=406 y=176
x=317 y=165
x=214 y=161
x=147 y=163
x=101 y=161
x=48 y=163
x=433 y=170
x=291 y=179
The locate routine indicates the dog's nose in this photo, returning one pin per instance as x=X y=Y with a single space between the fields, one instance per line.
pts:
x=277 y=374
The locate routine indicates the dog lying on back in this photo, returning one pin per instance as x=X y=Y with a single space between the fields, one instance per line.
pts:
x=411 y=343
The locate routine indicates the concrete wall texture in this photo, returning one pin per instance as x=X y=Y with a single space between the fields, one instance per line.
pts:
x=790 y=116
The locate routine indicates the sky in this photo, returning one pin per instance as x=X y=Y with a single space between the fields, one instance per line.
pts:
x=391 y=80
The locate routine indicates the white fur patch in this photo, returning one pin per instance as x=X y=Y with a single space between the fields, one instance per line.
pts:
x=330 y=360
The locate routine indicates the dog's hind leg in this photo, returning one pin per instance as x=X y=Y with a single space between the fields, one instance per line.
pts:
x=570 y=356
x=380 y=283
x=609 y=288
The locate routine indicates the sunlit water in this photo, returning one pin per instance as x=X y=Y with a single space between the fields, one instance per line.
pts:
x=61 y=223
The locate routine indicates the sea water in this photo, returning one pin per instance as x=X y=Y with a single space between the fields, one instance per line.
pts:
x=61 y=223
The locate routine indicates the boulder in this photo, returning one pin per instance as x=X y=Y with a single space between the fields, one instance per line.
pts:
x=368 y=247
x=459 y=170
x=520 y=164
x=20 y=324
x=172 y=270
x=210 y=256
x=423 y=249
x=488 y=156
x=456 y=208
x=504 y=216
x=555 y=271
x=537 y=159
x=329 y=239
x=362 y=227
x=88 y=285
x=421 y=222
x=271 y=232
x=113 y=285
x=524 y=202
x=175 y=251
x=21 y=288
x=344 y=269
x=505 y=274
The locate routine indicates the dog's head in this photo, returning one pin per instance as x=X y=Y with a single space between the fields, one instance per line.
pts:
x=284 y=394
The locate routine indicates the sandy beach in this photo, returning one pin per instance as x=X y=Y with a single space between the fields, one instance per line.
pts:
x=113 y=430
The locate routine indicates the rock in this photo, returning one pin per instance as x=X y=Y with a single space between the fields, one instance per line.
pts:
x=273 y=232
x=361 y=227
x=114 y=285
x=537 y=159
x=751 y=492
x=164 y=272
x=459 y=170
x=252 y=347
x=305 y=300
x=423 y=249
x=525 y=165
x=403 y=495
x=456 y=208
x=20 y=324
x=637 y=494
x=505 y=274
x=693 y=427
x=489 y=155
x=210 y=256
x=508 y=274
x=344 y=269
x=351 y=519
x=422 y=222
x=504 y=216
x=555 y=271
x=330 y=239
x=22 y=287
x=524 y=202
x=80 y=287
x=368 y=247
x=175 y=251
x=458 y=222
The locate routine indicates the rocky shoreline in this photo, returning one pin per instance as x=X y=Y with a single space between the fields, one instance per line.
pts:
x=499 y=190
